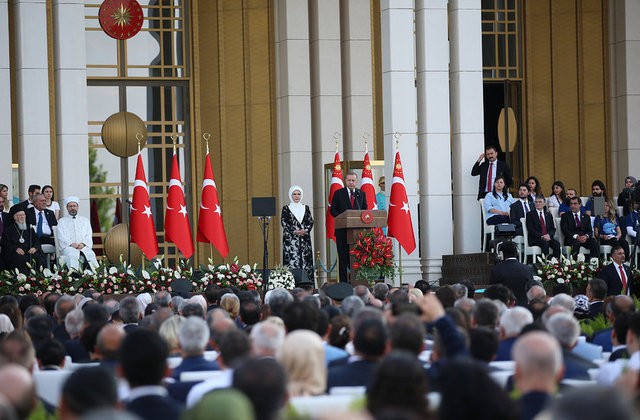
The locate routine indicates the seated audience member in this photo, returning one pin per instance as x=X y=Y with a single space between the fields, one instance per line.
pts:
x=581 y=307
x=596 y=292
x=20 y=245
x=398 y=383
x=446 y=295
x=466 y=305
x=619 y=338
x=593 y=403
x=407 y=333
x=597 y=190
x=536 y=291
x=608 y=230
x=576 y=227
x=303 y=360
x=266 y=339
x=512 y=273
x=459 y=289
x=108 y=345
x=74 y=324
x=512 y=322
x=332 y=353
x=614 y=307
x=610 y=372
x=193 y=337
x=535 y=190
x=88 y=389
x=50 y=355
x=625 y=198
x=264 y=382
x=468 y=392
x=42 y=219
x=381 y=290
x=169 y=330
x=541 y=228
x=143 y=363
x=557 y=196
x=565 y=328
x=632 y=223
x=483 y=344
x=538 y=371
x=17 y=386
x=485 y=314
x=63 y=306
x=617 y=275
x=130 y=313
x=351 y=305
x=230 y=303
x=497 y=203
x=565 y=207
x=340 y=331
x=520 y=208
x=75 y=237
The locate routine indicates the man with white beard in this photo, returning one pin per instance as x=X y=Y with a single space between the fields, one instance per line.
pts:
x=20 y=245
x=75 y=237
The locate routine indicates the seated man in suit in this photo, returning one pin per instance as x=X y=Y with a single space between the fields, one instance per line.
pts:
x=596 y=292
x=34 y=189
x=565 y=328
x=512 y=321
x=617 y=275
x=520 y=208
x=20 y=245
x=512 y=273
x=193 y=337
x=42 y=219
x=576 y=227
x=541 y=229
x=143 y=363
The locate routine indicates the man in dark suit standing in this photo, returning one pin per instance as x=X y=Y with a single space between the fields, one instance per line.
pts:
x=512 y=273
x=540 y=228
x=576 y=227
x=42 y=219
x=347 y=198
x=489 y=167
x=143 y=360
x=617 y=275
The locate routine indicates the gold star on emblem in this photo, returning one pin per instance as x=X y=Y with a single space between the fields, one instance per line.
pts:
x=398 y=166
x=368 y=168
x=338 y=167
x=121 y=16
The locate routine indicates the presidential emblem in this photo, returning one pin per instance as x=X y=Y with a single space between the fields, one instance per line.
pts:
x=121 y=19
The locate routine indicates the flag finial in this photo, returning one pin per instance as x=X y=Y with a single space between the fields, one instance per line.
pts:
x=365 y=137
x=397 y=136
x=139 y=137
x=206 y=137
x=174 y=140
x=336 y=137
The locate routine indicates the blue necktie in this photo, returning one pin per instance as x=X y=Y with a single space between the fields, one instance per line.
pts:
x=39 y=227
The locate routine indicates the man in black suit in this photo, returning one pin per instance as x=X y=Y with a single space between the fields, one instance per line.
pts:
x=369 y=343
x=541 y=229
x=489 y=167
x=617 y=275
x=143 y=362
x=28 y=203
x=347 y=198
x=596 y=292
x=576 y=227
x=520 y=208
x=42 y=219
x=512 y=273
x=565 y=328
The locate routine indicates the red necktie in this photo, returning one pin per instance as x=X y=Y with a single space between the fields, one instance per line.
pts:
x=351 y=198
x=543 y=225
x=490 y=177
x=577 y=221
x=623 y=277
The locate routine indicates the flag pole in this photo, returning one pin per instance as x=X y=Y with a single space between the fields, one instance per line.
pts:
x=139 y=137
x=206 y=137
x=397 y=137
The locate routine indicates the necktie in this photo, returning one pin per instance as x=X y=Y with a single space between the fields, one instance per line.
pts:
x=351 y=198
x=39 y=227
x=577 y=221
x=526 y=207
x=490 y=177
x=623 y=277
x=1 y=224
x=543 y=225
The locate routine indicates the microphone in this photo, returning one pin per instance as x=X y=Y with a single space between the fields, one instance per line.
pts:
x=356 y=194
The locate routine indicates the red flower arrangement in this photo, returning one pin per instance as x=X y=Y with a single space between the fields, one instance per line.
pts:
x=373 y=256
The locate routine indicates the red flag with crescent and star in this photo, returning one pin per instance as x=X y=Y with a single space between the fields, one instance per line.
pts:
x=366 y=184
x=336 y=184
x=176 y=222
x=399 y=219
x=210 y=225
x=143 y=230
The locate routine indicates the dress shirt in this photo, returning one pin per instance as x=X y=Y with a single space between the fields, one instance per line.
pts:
x=46 y=229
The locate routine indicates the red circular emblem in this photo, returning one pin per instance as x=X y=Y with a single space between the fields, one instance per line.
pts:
x=121 y=19
x=366 y=216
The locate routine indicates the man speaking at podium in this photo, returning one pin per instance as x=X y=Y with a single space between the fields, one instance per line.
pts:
x=348 y=198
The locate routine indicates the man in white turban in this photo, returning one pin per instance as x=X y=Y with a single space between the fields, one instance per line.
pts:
x=75 y=236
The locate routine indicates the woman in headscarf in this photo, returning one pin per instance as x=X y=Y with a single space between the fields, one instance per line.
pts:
x=297 y=222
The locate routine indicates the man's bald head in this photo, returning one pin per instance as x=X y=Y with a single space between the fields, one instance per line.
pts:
x=17 y=385
x=109 y=340
x=538 y=358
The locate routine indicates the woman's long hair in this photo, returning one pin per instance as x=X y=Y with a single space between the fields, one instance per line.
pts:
x=563 y=193
x=505 y=193
x=537 y=191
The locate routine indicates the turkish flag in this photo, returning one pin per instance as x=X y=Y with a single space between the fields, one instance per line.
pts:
x=143 y=230
x=210 y=225
x=176 y=222
x=336 y=184
x=399 y=219
x=366 y=184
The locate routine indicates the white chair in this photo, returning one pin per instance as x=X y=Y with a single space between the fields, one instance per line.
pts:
x=528 y=250
x=202 y=375
x=49 y=252
x=173 y=361
x=509 y=365
x=348 y=390
x=49 y=384
x=605 y=251
x=488 y=229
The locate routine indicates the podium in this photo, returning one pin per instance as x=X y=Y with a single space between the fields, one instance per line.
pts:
x=355 y=221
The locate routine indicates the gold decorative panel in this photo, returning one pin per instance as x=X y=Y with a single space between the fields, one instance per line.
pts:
x=566 y=88
x=233 y=57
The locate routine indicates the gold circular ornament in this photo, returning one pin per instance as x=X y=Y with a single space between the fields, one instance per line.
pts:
x=366 y=216
x=116 y=245
x=119 y=134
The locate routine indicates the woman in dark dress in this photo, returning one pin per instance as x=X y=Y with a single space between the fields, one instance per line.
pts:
x=297 y=222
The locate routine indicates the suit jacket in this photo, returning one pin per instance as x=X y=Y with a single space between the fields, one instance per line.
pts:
x=356 y=373
x=576 y=367
x=502 y=169
x=152 y=407
x=534 y=227
x=341 y=202
x=515 y=275
x=596 y=308
x=516 y=212
x=193 y=364
x=614 y=285
x=569 y=228
x=48 y=214
x=4 y=221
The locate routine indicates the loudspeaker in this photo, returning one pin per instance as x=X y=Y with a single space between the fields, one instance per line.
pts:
x=300 y=275
x=263 y=206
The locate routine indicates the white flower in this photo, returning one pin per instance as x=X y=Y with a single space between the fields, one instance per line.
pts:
x=145 y=275
x=130 y=272
x=176 y=274
x=242 y=274
x=554 y=260
x=27 y=286
x=537 y=278
x=113 y=270
x=47 y=273
x=220 y=276
x=71 y=288
x=246 y=267
x=211 y=267
x=580 y=258
x=21 y=277
x=222 y=267
x=560 y=280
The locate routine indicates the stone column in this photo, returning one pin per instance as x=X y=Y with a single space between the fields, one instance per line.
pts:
x=5 y=102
